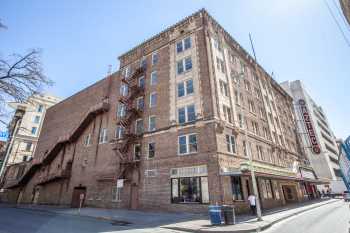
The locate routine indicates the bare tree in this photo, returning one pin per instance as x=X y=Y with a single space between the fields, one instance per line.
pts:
x=22 y=76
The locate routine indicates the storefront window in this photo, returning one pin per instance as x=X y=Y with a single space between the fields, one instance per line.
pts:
x=276 y=189
x=236 y=185
x=190 y=190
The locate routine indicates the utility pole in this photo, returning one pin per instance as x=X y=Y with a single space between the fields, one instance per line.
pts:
x=18 y=118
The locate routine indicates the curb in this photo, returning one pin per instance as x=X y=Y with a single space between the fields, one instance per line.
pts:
x=257 y=229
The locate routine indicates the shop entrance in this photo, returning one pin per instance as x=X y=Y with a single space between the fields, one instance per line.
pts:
x=289 y=193
x=78 y=194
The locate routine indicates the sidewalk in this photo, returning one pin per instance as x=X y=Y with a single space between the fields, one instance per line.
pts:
x=245 y=224
x=187 y=222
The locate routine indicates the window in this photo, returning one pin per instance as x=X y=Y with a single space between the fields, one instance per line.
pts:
x=245 y=148
x=28 y=146
x=87 y=140
x=247 y=85
x=275 y=188
x=262 y=113
x=140 y=103
x=153 y=100
x=121 y=110
x=154 y=78
x=231 y=144
x=185 y=88
x=137 y=152
x=187 y=42
x=237 y=191
x=266 y=188
x=227 y=113
x=220 y=65
x=25 y=158
x=251 y=106
x=119 y=133
x=183 y=45
x=143 y=63
x=240 y=120
x=260 y=153
x=186 y=114
x=236 y=97
x=103 y=137
x=142 y=82
x=154 y=58
x=116 y=193
x=123 y=89
x=187 y=144
x=40 y=108
x=36 y=119
x=189 y=190
x=139 y=126
x=184 y=65
x=255 y=127
x=223 y=88
x=127 y=71
x=217 y=45
x=151 y=150
x=34 y=129
x=152 y=123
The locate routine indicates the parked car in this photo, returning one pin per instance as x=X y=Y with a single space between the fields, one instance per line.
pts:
x=346 y=196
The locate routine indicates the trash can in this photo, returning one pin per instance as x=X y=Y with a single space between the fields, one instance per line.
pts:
x=215 y=214
x=228 y=214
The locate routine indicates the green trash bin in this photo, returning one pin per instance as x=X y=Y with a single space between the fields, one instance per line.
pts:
x=228 y=214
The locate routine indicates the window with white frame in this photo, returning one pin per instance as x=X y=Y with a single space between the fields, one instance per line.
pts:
x=143 y=63
x=217 y=45
x=184 y=65
x=103 y=137
x=185 y=88
x=240 y=120
x=251 y=106
x=154 y=58
x=116 y=193
x=141 y=82
x=139 y=126
x=220 y=64
x=152 y=123
x=186 y=114
x=255 y=127
x=137 y=152
x=227 y=113
x=153 y=100
x=119 y=133
x=36 y=119
x=123 y=89
x=127 y=72
x=230 y=143
x=40 y=108
x=187 y=144
x=183 y=45
x=154 y=78
x=151 y=150
x=121 y=110
x=224 y=88
x=260 y=152
x=34 y=129
x=140 y=103
x=87 y=140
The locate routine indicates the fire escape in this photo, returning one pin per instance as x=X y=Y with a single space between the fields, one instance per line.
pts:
x=129 y=162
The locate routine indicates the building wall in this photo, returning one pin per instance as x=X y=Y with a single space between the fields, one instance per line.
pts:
x=95 y=167
x=25 y=140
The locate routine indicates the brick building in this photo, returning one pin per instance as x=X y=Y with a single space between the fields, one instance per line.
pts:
x=166 y=131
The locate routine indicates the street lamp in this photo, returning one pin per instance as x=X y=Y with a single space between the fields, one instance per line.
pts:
x=238 y=78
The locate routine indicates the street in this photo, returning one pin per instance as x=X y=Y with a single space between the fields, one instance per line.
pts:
x=15 y=220
x=332 y=218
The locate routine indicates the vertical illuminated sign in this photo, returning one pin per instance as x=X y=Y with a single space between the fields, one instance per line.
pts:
x=309 y=127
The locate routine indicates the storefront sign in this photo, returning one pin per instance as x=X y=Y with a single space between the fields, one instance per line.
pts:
x=267 y=169
x=189 y=171
x=307 y=174
x=230 y=171
x=309 y=127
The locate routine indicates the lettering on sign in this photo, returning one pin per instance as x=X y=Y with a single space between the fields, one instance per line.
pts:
x=309 y=127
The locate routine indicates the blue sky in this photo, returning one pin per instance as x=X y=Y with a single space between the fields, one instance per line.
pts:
x=296 y=39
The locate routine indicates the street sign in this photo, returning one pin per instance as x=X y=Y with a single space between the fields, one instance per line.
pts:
x=120 y=183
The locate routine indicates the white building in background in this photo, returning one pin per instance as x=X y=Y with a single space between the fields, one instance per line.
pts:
x=27 y=136
x=318 y=140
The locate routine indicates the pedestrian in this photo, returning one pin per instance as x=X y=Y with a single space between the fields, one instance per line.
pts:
x=252 y=203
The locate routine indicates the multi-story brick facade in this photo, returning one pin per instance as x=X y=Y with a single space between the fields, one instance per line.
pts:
x=167 y=130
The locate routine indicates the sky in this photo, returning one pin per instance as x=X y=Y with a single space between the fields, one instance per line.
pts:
x=294 y=39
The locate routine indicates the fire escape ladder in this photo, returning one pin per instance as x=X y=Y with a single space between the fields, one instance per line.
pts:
x=127 y=162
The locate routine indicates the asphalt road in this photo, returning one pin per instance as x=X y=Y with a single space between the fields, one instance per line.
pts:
x=13 y=220
x=332 y=218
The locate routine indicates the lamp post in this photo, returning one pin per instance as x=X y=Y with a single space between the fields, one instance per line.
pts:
x=240 y=77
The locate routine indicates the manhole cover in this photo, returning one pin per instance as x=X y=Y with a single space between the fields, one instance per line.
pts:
x=120 y=223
